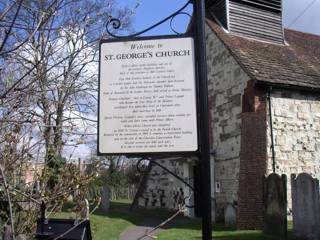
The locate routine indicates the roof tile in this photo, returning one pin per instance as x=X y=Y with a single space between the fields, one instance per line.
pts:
x=296 y=64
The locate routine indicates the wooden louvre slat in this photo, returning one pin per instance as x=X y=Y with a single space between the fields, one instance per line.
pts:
x=265 y=4
x=256 y=21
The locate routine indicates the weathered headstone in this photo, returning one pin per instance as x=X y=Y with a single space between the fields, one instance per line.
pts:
x=21 y=237
x=230 y=216
x=305 y=206
x=7 y=233
x=70 y=198
x=105 y=198
x=84 y=213
x=275 y=206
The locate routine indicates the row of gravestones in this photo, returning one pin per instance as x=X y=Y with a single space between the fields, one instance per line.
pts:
x=305 y=206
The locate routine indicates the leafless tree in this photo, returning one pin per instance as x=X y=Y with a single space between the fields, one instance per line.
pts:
x=48 y=94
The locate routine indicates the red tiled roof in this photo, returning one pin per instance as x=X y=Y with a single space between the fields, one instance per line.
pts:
x=296 y=64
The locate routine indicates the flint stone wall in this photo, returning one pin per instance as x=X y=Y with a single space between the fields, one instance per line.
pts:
x=296 y=129
x=226 y=84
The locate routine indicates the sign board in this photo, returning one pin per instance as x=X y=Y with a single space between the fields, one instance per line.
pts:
x=147 y=96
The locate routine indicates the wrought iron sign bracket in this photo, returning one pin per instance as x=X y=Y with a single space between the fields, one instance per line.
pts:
x=115 y=24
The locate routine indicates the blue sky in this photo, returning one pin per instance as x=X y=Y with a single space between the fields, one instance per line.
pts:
x=309 y=21
x=151 y=11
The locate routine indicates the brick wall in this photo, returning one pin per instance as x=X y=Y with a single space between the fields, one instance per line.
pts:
x=253 y=158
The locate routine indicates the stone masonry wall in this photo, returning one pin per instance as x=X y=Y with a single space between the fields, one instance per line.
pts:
x=296 y=129
x=227 y=82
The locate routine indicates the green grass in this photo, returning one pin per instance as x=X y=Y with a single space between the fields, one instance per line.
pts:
x=192 y=231
x=109 y=226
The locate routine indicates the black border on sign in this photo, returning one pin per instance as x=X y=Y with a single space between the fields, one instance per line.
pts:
x=150 y=154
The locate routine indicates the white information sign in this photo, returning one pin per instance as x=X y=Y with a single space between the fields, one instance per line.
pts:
x=147 y=97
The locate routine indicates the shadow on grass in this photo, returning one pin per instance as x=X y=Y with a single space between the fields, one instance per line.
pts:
x=181 y=225
x=142 y=217
x=221 y=232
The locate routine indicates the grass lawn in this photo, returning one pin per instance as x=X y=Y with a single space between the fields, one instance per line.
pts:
x=109 y=226
x=105 y=226
x=192 y=231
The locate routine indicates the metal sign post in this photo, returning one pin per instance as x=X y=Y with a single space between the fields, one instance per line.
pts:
x=199 y=13
x=138 y=70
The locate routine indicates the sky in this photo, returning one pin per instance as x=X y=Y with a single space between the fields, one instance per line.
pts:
x=151 y=11
x=309 y=21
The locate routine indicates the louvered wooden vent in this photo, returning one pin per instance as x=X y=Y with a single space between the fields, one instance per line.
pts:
x=258 y=19
x=270 y=5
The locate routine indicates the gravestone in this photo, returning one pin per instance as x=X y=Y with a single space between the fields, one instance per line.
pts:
x=230 y=216
x=70 y=198
x=305 y=206
x=21 y=237
x=275 y=206
x=7 y=233
x=105 y=198
x=84 y=213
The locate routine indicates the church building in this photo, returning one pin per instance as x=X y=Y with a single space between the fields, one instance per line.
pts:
x=264 y=87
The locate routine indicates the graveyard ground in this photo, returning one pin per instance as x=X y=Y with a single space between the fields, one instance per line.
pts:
x=192 y=231
x=110 y=226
